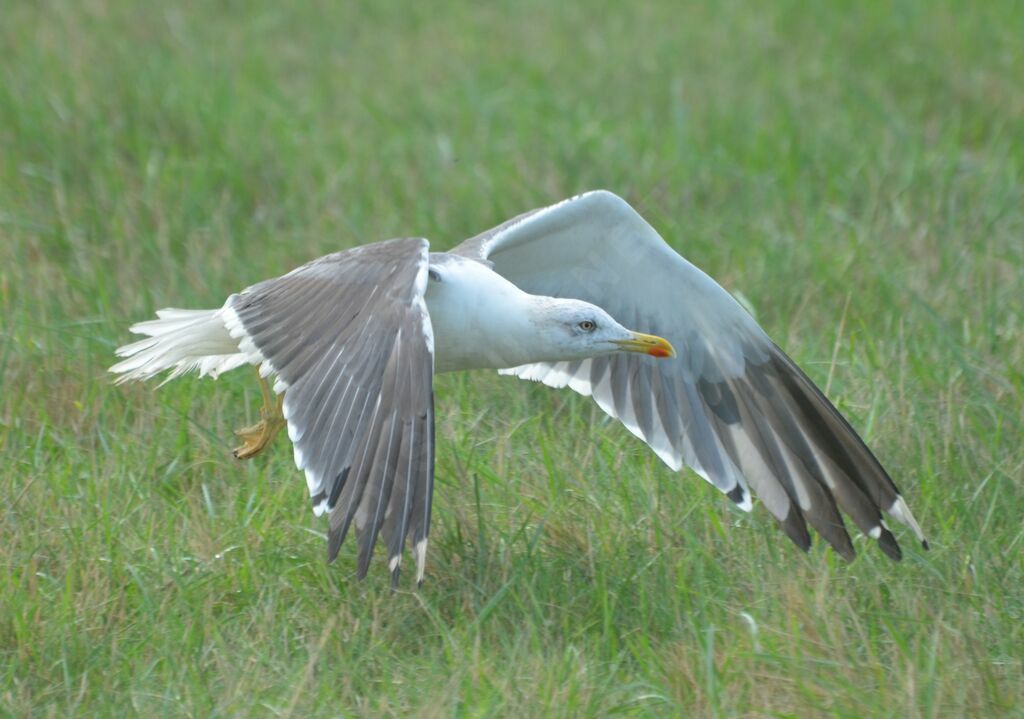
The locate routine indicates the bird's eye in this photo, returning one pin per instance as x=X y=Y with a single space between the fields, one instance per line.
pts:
x=587 y=325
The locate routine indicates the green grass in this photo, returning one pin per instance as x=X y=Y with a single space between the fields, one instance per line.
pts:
x=853 y=169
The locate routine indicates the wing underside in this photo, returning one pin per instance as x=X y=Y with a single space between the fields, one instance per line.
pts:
x=732 y=406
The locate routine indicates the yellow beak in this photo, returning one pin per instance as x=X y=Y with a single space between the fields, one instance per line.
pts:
x=647 y=344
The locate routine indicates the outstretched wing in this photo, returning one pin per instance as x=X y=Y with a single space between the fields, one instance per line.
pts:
x=732 y=405
x=349 y=338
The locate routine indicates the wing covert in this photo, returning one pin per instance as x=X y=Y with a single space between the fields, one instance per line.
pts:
x=349 y=339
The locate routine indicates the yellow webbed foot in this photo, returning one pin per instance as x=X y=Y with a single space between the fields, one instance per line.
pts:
x=255 y=438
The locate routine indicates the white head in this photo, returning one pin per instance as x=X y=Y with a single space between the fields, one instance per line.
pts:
x=573 y=329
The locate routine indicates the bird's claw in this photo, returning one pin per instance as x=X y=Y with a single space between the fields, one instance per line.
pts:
x=256 y=437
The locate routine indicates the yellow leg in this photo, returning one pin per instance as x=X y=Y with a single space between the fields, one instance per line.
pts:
x=258 y=436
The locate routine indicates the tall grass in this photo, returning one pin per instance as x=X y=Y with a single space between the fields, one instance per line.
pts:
x=853 y=170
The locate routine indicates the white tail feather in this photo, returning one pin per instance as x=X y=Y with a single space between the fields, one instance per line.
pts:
x=181 y=341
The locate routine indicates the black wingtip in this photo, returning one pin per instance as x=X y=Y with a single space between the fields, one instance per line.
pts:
x=363 y=560
x=334 y=539
x=845 y=549
x=737 y=495
x=796 y=529
x=925 y=545
x=889 y=545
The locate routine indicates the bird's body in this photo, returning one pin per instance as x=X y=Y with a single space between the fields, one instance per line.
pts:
x=353 y=340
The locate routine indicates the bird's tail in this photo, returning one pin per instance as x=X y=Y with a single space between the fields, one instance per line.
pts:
x=182 y=341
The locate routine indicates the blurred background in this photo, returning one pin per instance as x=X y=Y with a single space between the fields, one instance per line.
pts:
x=852 y=170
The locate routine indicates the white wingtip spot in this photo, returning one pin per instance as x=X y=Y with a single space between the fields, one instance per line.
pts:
x=320 y=508
x=901 y=512
x=875 y=532
x=421 y=559
x=747 y=504
x=395 y=562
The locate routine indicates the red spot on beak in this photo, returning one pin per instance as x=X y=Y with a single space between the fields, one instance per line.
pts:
x=659 y=352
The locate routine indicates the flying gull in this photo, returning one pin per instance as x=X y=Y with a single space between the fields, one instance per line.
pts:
x=352 y=341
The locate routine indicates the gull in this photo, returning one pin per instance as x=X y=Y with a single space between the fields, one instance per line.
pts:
x=352 y=341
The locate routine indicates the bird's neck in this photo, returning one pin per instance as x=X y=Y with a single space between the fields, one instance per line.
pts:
x=482 y=321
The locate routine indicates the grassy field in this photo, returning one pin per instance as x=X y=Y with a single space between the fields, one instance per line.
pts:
x=853 y=169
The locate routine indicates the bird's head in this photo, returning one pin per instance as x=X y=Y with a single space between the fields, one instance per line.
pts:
x=577 y=330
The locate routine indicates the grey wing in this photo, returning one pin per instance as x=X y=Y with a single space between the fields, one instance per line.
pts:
x=732 y=405
x=350 y=340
